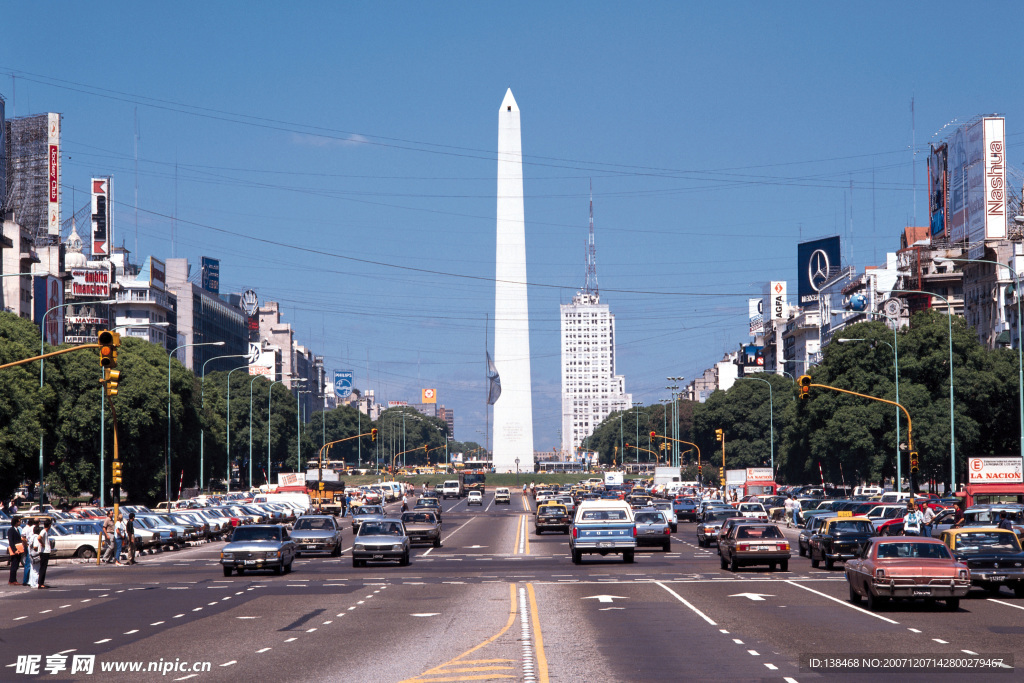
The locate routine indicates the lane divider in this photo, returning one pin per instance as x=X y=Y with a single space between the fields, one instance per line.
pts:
x=525 y=640
x=542 y=659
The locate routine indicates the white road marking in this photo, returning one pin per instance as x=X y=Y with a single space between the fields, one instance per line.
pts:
x=688 y=604
x=289 y=640
x=246 y=617
x=425 y=614
x=45 y=611
x=913 y=629
x=968 y=652
x=262 y=651
x=310 y=630
x=63 y=606
x=771 y=666
x=156 y=623
x=604 y=598
x=843 y=602
x=87 y=600
x=100 y=642
x=754 y=653
x=233 y=661
x=185 y=678
x=737 y=641
x=328 y=622
x=790 y=680
x=64 y=652
x=134 y=630
x=20 y=618
x=941 y=641
x=1008 y=604
x=605 y=609
x=756 y=597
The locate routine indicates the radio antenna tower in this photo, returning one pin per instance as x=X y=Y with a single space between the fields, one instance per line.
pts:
x=590 y=287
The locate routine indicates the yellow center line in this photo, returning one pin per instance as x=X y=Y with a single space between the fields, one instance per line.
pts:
x=538 y=639
x=526 y=533
x=519 y=530
x=478 y=669
x=487 y=661
x=437 y=670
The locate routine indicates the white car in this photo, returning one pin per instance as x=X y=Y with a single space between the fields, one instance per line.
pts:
x=502 y=495
x=475 y=498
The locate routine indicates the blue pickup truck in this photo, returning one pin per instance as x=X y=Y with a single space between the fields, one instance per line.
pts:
x=604 y=527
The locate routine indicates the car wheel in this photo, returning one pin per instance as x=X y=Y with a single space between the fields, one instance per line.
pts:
x=1018 y=590
x=675 y=528
x=404 y=562
x=577 y=557
x=700 y=542
x=298 y=554
x=537 y=532
x=86 y=552
x=802 y=550
x=733 y=564
x=771 y=566
x=667 y=547
x=784 y=565
x=240 y=571
x=815 y=563
x=629 y=557
x=952 y=604
x=288 y=567
x=278 y=570
x=725 y=565
x=227 y=571
x=829 y=564
x=874 y=602
x=336 y=552
x=854 y=595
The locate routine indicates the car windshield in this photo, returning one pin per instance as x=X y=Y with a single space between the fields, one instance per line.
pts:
x=860 y=527
x=720 y=516
x=248 y=533
x=927 y=551
x=758 y=532
x=419 y=518
x=649 y=518
x=427 y=503
x=314 y=523
x=751 y=507
x=604 y=515
x=987 y=542
x=369 y=510
x=380 y=529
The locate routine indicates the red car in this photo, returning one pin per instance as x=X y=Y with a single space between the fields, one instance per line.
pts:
x=907 y=567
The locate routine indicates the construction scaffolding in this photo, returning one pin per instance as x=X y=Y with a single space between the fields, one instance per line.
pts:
x=28 y=175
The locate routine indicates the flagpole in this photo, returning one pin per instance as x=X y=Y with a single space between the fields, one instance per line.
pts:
x=487 y=385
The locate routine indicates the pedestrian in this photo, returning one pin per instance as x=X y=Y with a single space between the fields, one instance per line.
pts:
x=15 y=549
x=788 y=505
x=35 y=550
x=958 y=516
x=1004 y=521
x=348 y=504
x=130 y=528
x=912 y=521
x=797 y=510
x=27 y=536
x=927 y=517
x=405 y=504
x=46 y=547
x=108 y=537
x=120 y=533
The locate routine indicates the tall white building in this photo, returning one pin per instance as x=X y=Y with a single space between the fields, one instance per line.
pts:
x=590 y=388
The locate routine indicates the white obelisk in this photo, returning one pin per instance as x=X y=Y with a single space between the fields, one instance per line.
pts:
x=513 y=411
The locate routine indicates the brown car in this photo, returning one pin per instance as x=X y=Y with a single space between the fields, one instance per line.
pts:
x=907 y=567
x=750 y=544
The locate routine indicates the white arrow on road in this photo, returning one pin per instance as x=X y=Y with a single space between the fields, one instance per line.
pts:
x=756 y=597
x=604 y=598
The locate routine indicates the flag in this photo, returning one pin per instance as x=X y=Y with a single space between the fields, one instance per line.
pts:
x=494 y=388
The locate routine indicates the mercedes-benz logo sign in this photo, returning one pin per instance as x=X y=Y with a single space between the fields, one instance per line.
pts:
x=817 y=269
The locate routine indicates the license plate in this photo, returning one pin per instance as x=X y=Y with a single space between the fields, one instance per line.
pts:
x=309 y=547
x=922 y=591
x=378 y=556
x=995 y=577
x=651 y=531
x=250 y=561
x=604 y=544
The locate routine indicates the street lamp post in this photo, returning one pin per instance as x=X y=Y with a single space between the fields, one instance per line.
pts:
x=952 y=439
x=771 y=417
x=202 y=429
x=270 y=396
x=42 y=342
x=228 y=437
x=1020 y=340
x=169 y=356
x=251 y=382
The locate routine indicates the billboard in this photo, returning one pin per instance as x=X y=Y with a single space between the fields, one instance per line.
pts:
x=210 y=269
x=397 y=404
x=343 y=383
x=755 y=308
x=815 y=259
x=938 y=183
x=90 y=283
x=53 y=174
x=101 y=227
x=48 y=293
x=994 y=471
x=759 y=474
x=977 y=181
x=429 y=396
x=265 y=365
x=3 y=154
x=776 y=300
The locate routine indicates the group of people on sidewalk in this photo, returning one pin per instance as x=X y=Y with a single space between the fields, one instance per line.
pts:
x=31 y=545
x=118 y=537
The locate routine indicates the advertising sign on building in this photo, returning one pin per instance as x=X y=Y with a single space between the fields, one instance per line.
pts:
x=977 y=181
x=343 y=383
x=994 y=186
x=265 y=365
x=756 y=310
x=815 y=260
x=759 y=474
x=210 y=269
x=292 y=479
x=397 y=404
x=429 y=396
x=90 y=283
x=776 y=300
x=938 y=183
x=157 y=273
x=101 y=224
x=994 y=471
x=48 y=293
x=53 y=151
x=314 y=475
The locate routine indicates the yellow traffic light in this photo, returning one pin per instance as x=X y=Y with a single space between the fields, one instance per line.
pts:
x=804 y=382
x=373 y=434
x=110 y=380
x=109 y=342
x=115 y=475
x=718 y=435
x=321 y=486
x=914 y=468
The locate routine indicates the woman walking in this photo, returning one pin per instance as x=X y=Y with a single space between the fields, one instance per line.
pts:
x=34 y=552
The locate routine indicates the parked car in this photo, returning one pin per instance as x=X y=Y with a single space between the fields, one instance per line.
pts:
x=907 y=568
x=752 y=544
x=77 y=539
x=317 y=534
x=381 y=540
x=839 y=539
x=258 y=546
x=652 y=529
x=994 y=557
x=422 y=527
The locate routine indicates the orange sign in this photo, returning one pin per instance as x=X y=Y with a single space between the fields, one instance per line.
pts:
x=429 y=396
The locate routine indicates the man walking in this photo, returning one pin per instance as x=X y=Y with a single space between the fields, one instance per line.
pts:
x=15 y=549
x=46 y=544
x=130 y=528
x=926 y=520
x=789 y=509
x=108 y=537
x=912 y=522
x=120 y=533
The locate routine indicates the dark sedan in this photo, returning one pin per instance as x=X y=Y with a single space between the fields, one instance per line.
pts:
x=839 y=539
x=258 y=546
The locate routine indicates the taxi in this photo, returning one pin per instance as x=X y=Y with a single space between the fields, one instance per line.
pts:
x=551 y=517
x=839 y=539
x=994 y=556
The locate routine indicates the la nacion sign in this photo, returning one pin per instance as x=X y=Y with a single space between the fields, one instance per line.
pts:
x=994 y=471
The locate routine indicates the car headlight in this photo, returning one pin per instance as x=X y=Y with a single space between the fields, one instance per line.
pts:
x=397 y=547
x=226 y=556
x=879 y=573
x=963 y=574
x=359 y=546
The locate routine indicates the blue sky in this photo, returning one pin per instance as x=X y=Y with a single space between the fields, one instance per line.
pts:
x=290 y=140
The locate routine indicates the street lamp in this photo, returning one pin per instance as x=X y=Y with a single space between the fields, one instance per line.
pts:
x=42 y=342
x=270 y=396
x=771 y=418
x=1020 y=346
x=169 y=356
x=202 y=404
x=228 y=422
x=952 y=440
x=253 y=381
x=517 y=472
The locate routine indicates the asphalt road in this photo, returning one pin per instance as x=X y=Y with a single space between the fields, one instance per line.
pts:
x=495 y=602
